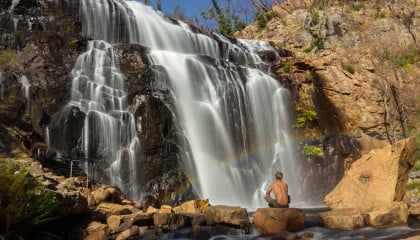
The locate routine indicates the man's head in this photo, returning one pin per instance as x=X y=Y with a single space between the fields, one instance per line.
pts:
x=279 y=175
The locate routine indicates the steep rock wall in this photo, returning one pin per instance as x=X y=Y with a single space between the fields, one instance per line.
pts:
x=356 y=64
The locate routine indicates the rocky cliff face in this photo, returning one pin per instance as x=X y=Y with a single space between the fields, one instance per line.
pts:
x=39 y=44
x=352 y=69
x=355 y=63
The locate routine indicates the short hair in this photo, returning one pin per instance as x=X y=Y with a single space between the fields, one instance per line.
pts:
x=279 y=175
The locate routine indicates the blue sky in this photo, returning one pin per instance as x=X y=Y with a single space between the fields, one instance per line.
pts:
x=192 y=8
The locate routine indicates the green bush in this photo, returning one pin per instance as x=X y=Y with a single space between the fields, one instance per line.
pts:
x=310 y=152
x=23 y=201
x=413 y=185
x=304 y=116
x=357 y=6
x=73 y=42
x=264 y=17
x=315 y=17
x=287 y=66
x=350 y=69
x=316 y=42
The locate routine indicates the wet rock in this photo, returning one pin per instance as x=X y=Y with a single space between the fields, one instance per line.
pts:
x=65 y=129
x=170 y=221
x=139 y=218
x=270 y=221
x=72 y=204
x=227 y=214
x=342 y=219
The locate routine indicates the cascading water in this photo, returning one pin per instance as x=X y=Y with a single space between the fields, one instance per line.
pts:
x=109 y=139
x=232 y=113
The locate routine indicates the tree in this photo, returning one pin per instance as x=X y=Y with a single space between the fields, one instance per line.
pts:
x=227 y=17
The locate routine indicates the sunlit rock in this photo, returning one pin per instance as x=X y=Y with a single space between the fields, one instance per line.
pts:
x=414 y=209
x=186 y=207
x=105 y=210
x=394 y=214
x=97 y=231
x=165 y=209
x=133 y=231
x=377 y=179
x=113 y=222
x=227 y=214
x=270 y=221
x=342 y=219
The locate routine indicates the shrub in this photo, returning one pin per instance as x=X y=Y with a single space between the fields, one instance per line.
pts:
x=357 y=6
x=73 y=42
x=316 y=42
x=350 y=69
x=315 y=17
x=264 y=17
x=311 y=152
x=287 y=66
x=304 y=116
x=413 y=185
x=23 y=202
x=7 y=56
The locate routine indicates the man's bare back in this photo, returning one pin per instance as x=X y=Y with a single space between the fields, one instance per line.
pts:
x=281 y=191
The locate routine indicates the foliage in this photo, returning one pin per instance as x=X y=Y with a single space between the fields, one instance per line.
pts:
x=23 y=202
x=264 y=17
x=317 y=42
x=350 y=69
x=304 y=116
x=416 y=166
x=222 y=16
x=413 y=185
x=12 y=99
x=311 y=152
x=357 y=6
x=410 y=57
x=287 y=66
x=315 y=16
x=73 y=42
x=7 y=56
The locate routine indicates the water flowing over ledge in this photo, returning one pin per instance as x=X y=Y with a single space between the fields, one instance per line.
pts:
x=232 y=114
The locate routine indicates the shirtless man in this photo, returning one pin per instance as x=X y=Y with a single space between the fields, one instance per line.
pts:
x=280 y=190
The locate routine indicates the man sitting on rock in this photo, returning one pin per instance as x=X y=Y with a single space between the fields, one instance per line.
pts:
x=280 y=190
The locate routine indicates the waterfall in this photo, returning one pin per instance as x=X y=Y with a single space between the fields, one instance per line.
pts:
x=108 y=134
x=232 y=113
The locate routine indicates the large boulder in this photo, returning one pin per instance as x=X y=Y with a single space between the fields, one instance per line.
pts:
x=227 y=214
x=377 y=179
x=388 y=216
x=374 y=188
x=271 y=221
x=342 y=219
